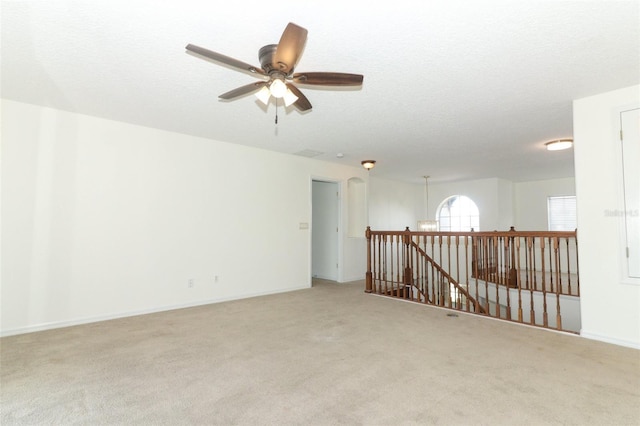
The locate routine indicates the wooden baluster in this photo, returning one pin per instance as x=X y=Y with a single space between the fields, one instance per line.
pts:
x=544 y=261
x=558 y=287
x=531 y=269
x=405 y=263
x=391 y=268
x=434 y=279
x=486 y=276
x=439 y=275
x=532 y=313
x=496 y=263
x=376 y=264
x=507 y=281
x=425 y=271
x=545 y=315
x=485 y=259
x=466 y=269
x=448 y=284
x=417 y=268
x=382 y=263
x=516 y=247
x=459 y=297
x=514 y=278
x=502 y=271
x=551 y=263
x=368 y=277
x=533 y=264
x=398 y=265
x=475 y=265
x=568 y=266
x=425 y=280
x=532 y=319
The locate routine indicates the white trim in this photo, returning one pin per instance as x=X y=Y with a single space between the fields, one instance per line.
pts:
x=606 y=339
x=625 y=278
x=351 y=279
x=99 y=318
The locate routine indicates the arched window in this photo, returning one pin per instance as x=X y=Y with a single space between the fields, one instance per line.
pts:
x=458 y=214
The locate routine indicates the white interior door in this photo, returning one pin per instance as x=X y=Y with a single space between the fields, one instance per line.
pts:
x=631 y=158
x=324 y=230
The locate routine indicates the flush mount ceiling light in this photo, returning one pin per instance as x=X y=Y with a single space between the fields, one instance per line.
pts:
x=559 y=144
x=368 y=164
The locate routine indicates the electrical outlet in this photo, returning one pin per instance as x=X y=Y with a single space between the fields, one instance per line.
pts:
x=191 y=283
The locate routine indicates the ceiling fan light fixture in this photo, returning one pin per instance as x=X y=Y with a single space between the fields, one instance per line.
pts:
x=264 y=94
x=278 y=88
x=560 y=144
x=278 y=62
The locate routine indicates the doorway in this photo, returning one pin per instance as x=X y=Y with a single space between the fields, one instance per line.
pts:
x=325 y=205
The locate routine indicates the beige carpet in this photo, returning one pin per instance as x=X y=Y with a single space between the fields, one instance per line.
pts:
x=328 y=355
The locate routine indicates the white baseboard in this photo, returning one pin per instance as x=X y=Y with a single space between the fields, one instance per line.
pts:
x=607 y=339
x=87 y=320
x=350 y=279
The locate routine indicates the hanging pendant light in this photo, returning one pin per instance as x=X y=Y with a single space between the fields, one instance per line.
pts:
x=427 y=225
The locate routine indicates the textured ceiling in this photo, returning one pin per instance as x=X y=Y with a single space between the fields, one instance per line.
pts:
x=456 y=90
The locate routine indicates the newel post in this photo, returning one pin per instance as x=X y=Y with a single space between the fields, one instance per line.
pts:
x=369 y=277
x=408 y=273
x=513 y=273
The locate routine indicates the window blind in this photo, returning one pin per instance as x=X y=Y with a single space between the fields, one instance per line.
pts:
x=562 y=213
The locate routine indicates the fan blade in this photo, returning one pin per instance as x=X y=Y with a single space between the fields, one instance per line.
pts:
x=234 y=63
x=328 y=78
x=302 y=103
x=243 y=90
x=290 y=48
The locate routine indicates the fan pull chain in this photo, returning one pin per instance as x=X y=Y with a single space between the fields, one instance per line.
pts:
x=276 y=110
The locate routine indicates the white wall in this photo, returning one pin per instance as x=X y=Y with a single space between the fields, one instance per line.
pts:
x=394 y=205
x=530 y=201
x=610 y=307
x=492 y=196
x=103 y=219
x=501 y=203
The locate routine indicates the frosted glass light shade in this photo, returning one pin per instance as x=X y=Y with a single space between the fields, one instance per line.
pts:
x=427 y=226
x=264 y=94
x=289 y=98
x=278 y=88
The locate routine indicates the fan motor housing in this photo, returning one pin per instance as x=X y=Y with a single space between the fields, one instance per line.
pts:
x=266 y=55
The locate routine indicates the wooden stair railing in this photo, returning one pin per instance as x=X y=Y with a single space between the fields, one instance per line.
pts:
x=529 y=277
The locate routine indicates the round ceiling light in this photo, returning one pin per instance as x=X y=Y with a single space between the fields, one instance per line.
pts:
x=559 y=144
x=368 y=164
